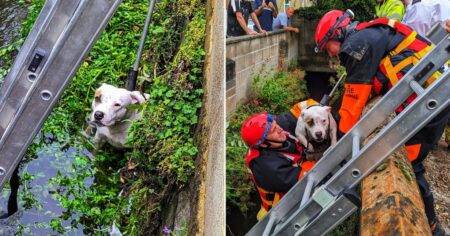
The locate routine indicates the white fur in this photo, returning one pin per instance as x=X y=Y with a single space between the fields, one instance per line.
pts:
x=324 y=126
x=112 y=102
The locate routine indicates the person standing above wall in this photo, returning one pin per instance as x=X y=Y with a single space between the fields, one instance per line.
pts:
x=283 y=21
x=237 y=18
x=392 y=9
x=266 y=10
x=421 y=15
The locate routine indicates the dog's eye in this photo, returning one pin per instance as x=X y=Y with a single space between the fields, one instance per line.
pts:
x=324 y=121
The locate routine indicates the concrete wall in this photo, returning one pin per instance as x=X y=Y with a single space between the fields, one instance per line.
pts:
x=248 y=56
x=211 y=162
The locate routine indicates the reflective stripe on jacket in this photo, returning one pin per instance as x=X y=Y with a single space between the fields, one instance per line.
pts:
x=392 y=9
x=299 y=168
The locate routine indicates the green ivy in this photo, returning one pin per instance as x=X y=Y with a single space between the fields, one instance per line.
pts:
x=364 y=9
x=162 y=140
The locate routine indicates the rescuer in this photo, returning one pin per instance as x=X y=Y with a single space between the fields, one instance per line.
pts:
x=376 y=55
x=275 y=159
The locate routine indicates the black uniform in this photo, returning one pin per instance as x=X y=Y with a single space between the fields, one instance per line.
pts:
x=272 y=170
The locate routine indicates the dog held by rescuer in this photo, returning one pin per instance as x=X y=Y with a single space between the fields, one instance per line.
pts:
x=316 y=130
x=112 y=114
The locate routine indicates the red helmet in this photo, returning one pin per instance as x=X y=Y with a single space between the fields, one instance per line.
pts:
x=254 y=129
x=329 y=25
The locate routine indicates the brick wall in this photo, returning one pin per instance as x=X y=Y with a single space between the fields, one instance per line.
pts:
x=248 y=56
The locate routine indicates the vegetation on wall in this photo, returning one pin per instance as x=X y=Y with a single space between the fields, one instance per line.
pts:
x=163 y=148
x=364 y=9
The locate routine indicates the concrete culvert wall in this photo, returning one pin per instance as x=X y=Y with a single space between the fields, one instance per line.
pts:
x=248 y=56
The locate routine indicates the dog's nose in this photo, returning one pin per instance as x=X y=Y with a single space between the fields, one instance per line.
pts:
x=318 y=134
x=98 y=115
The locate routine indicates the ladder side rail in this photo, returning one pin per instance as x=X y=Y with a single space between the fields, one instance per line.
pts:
x=8 y=108
x=96 y=16
x=59 y=44
x=392 y=136
x=330 y=218
x=23 y=57
x=366 y=125
x=436 y=33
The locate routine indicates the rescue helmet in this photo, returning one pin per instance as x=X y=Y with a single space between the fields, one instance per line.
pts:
x=329 y=27
x=255 y=128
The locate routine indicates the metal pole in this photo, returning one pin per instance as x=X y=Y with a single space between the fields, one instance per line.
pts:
x=327 y=97
x=132 y=75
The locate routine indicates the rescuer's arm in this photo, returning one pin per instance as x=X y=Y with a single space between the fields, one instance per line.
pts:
x=361 y=64
x=274 y=173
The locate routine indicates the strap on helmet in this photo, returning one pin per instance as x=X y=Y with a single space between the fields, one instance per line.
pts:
x=266 y=130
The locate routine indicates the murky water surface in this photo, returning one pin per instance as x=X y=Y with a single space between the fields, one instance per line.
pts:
x=37 y=188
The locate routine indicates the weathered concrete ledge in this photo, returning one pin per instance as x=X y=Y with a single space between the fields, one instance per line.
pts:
x=238 y=39
x=210 y=176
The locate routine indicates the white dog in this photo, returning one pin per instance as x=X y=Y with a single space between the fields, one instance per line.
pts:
x=316 y=124
x=111 y=114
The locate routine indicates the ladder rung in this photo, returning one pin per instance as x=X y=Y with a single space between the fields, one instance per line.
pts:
x=307 y=192
x=356 y=145
x=418 y=89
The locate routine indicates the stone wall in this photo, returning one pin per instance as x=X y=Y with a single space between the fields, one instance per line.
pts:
x=248 y=56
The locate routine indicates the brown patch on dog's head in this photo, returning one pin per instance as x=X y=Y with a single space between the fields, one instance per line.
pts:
x=309 y=121
x=98 y=95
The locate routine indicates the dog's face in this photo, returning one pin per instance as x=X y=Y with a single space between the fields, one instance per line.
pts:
x=317 y=122
x=110 y=104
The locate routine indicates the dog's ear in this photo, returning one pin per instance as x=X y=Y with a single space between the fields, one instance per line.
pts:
x=328 y=108
x=137 y=97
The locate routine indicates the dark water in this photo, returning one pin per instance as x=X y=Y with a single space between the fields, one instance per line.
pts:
x=12 y=13
x=35 y=220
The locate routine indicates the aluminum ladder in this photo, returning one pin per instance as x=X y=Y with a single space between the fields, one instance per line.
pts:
x=61 y=37
x=312 y=208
